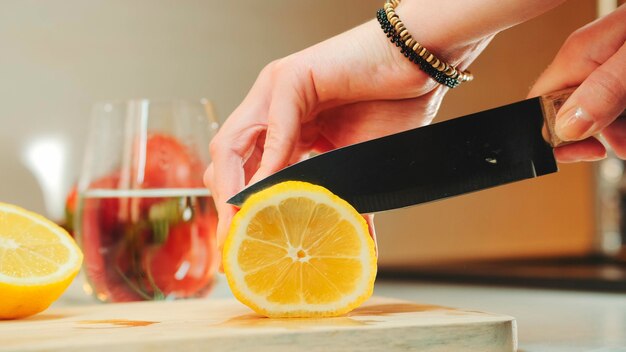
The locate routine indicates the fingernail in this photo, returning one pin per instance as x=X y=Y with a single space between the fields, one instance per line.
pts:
x=574 y=124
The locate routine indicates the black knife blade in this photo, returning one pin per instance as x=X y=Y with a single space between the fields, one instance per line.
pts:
x=450 y=158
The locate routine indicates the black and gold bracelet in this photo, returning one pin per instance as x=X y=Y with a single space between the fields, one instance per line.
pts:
x=436 y=68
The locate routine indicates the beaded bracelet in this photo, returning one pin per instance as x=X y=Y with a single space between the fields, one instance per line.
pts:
x=440 y=71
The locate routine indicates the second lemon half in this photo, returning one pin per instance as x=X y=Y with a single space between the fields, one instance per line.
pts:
x=297 y=250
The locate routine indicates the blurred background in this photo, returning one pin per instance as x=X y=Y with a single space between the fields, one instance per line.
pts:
x=60 y=57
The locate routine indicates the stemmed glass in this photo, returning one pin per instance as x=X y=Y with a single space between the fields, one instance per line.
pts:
x=145 y=221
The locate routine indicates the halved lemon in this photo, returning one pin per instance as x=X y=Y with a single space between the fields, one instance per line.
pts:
x=38 y=261
x=297 y=250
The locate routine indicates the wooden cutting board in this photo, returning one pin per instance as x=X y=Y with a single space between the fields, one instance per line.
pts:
x=227 y=325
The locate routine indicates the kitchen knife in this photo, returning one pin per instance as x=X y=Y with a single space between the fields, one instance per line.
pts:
x=465 y=154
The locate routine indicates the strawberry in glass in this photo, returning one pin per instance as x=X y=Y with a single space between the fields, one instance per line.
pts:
x=149 y=234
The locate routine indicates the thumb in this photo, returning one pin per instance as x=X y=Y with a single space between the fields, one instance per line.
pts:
x=596 y=102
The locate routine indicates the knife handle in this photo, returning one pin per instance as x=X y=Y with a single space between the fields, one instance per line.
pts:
x=550 y=104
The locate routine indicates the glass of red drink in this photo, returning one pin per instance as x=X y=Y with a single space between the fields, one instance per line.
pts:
x=144 y=219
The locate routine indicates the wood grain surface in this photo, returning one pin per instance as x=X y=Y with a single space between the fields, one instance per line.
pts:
x=227 y=325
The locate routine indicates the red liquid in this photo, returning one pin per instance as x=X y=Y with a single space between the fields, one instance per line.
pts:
x=148 y=244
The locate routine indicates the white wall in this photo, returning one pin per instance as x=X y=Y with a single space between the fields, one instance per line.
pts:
x=58 y=57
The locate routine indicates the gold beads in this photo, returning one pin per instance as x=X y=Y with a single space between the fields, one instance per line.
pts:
x=412 y=44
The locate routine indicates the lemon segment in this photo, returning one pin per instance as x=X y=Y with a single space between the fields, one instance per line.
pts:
x=297 y=250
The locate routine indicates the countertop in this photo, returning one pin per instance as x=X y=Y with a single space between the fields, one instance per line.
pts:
x=547 y=320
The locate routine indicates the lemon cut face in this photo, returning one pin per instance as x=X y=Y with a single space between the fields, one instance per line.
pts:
x=297 y=250
x=38 y=260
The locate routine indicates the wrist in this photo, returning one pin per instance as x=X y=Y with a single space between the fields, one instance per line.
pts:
x=458 y=32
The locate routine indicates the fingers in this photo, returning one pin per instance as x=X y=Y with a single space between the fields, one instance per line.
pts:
x=269 y=115
x=596 y=102
x=582 y=53
x=225 y=176
x=593 y=59
x=589 y=149
x=233 y=145
x=283 y=130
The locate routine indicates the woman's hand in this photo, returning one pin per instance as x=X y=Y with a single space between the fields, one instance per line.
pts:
x=350 y=88
x=593 y=58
